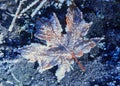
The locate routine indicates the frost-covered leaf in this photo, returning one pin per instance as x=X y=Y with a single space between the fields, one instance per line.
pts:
x=61 y=49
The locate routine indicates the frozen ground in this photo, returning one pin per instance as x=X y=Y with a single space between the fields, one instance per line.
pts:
x=102 y=63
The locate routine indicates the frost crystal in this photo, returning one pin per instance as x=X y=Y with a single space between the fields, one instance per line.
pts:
x=61 y=49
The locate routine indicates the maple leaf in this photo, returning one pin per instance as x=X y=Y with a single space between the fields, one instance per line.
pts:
x=61 y=49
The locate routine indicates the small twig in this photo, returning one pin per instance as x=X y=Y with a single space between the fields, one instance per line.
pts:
x=9 y=82
x=15 y=78
x=28 y=7
x=16 y=15
x=38 y=7
x=11 y=61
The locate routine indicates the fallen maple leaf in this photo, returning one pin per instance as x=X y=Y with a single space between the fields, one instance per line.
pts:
x=61 y=49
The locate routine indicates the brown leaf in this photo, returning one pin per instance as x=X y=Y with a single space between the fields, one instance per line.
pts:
x=63 y=49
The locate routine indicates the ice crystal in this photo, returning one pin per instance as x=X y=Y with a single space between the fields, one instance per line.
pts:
x=61 y=49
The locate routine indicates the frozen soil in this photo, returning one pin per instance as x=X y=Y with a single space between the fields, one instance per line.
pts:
x=102 y=63
x=25 y=74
